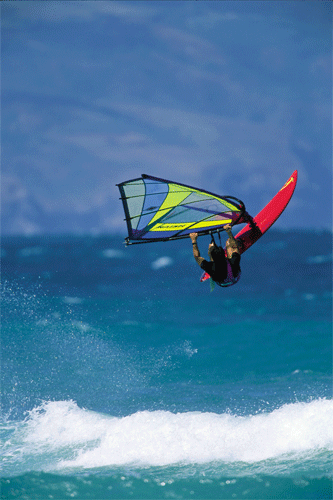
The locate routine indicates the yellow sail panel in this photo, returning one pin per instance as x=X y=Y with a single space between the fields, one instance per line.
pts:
x=177 y=194
x=189 y=225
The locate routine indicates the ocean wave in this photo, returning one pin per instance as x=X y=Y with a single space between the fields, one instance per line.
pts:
x=59 y=435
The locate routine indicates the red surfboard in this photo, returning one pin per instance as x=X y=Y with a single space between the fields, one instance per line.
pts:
x=264 y=219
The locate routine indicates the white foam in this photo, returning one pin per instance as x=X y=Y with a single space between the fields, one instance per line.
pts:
x=111 y=253
x=72 y=300
x=31 y=251
x=161 y=262
x=319 y=259
x=59 y=423
x=162 y=438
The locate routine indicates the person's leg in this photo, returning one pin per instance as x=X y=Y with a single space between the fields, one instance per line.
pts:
x=234 y=262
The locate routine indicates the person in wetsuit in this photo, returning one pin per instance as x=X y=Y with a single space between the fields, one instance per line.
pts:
x=225 y=271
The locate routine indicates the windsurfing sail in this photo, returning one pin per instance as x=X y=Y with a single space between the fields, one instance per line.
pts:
x=161 y=210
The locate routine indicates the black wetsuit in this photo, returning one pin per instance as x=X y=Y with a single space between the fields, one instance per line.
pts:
x=218 y=268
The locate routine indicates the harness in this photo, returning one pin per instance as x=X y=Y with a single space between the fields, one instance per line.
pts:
x=230 y=279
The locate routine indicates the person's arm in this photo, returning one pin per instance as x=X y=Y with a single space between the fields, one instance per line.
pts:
x=232 y=245
x=196 y=252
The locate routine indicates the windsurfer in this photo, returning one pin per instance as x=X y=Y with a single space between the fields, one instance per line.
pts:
x=223 y=270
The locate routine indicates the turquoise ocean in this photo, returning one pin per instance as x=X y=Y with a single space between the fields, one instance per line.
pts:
x=123 y=376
